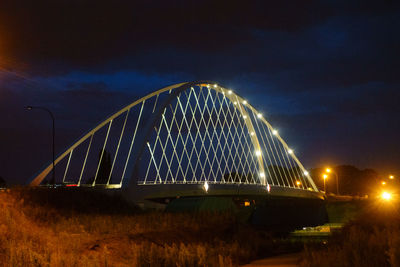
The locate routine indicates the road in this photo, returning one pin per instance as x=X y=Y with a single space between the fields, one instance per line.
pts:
x=285 y=260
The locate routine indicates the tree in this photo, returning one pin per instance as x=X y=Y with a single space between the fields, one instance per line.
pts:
x=2 y=182
x=352 y=181
x=104 y=168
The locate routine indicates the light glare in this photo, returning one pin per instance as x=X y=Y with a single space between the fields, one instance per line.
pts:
x=386 y=196
x=206 y=186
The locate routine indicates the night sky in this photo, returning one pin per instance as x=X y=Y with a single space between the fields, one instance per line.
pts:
x=324 y=73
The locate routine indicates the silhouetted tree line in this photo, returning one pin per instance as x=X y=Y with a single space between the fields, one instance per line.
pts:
x=2 y=182
x=352 y=181
x=238 y=177
x=104 y=169
x=273 y=170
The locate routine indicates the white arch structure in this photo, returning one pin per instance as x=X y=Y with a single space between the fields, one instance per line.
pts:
x=187 y=133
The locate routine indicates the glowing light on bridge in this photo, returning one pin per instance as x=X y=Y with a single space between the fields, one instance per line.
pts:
x=259 y=115
x=274 y=132
x=206 y=186
x=290 y=151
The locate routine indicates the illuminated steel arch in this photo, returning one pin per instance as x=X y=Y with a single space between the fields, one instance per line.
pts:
x=186 y=133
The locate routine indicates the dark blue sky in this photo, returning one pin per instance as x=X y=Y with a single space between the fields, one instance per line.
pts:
x=325 y=73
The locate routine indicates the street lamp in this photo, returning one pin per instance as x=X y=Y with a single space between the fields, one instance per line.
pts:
x=391 y=177
x=325 y=176
x=329 y=170
x=53 y=136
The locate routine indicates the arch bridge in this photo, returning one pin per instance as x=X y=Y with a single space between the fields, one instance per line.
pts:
x=191 y=138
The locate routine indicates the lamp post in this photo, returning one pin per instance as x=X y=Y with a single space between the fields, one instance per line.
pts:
x=53 y=137
x=328 y=170
x=325 y=177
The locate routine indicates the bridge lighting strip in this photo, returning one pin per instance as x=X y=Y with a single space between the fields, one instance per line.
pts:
x=177 y=138
x=102 y=152
x=133 y=140
x=119 y=142
x=184 y=111
x=212 y=137
x=66 y=168
x=245 y=129
x=262 y=137
x=84 y=162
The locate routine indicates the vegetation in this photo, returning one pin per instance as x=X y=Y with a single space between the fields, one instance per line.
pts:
x=71 y=227
x=352 y=181
x=372 y=239
x=2 y=182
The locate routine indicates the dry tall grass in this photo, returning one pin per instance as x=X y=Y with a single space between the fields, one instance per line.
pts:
x=39 y=227
x=371 y=240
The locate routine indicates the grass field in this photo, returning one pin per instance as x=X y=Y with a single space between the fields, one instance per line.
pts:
x=369 y=238
x=42 y=227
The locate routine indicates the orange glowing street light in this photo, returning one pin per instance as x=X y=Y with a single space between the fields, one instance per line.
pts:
x=391 y=177
x=298 y=183
x=386 y=196
x=383 y=183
